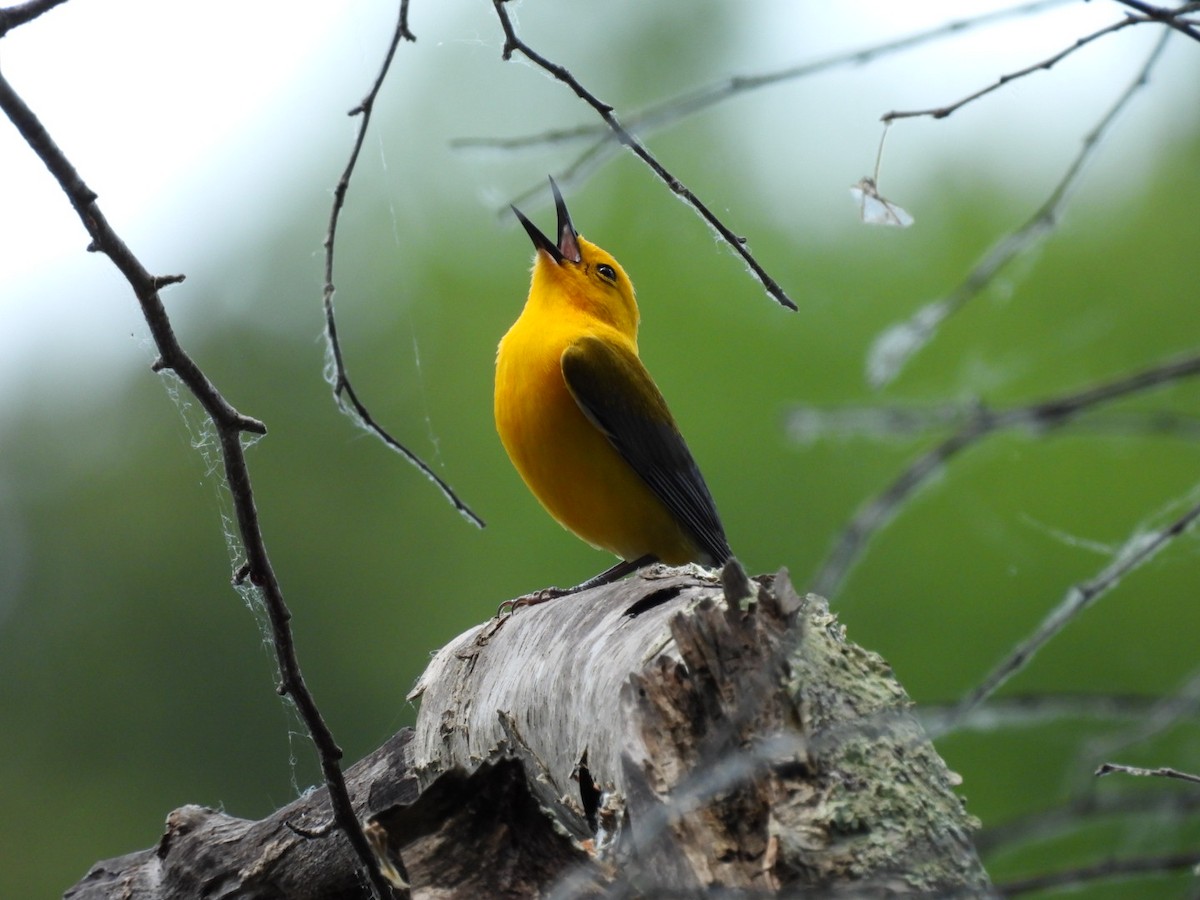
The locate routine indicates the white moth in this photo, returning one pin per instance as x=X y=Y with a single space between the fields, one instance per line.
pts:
x=875 y=209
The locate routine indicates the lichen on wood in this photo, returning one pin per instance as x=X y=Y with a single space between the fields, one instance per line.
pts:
x=672 y=734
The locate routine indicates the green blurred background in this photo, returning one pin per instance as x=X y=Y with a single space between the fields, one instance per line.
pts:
x=133 y=679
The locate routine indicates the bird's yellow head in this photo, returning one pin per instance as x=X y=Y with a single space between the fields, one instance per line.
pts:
x=576 y=275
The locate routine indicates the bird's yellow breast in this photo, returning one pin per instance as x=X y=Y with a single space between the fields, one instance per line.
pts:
x=564 y=459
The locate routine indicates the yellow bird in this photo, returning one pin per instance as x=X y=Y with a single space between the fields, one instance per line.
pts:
x=585 y=425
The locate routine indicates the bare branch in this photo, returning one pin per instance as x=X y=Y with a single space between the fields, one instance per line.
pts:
x=1140 y=548
x=672 y=110
x=808 y=424
x=513 y=43
x=343 y=389
x=1114 y=868
x=1162 y=716
x=1151 y=806
x=941 y=112
x=895 y=346
x=982 y=422
x=1033 y=710
x=230 y=425
x=1162 y=772
x=14 y=16
x=583 y=165
x=604 y=143
x=1169 y=17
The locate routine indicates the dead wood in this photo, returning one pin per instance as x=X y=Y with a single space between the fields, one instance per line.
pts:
x=669 y=735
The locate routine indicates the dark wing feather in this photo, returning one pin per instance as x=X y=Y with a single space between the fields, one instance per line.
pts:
x=616 y=393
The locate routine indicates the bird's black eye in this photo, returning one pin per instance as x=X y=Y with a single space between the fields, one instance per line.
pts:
x=607 y=272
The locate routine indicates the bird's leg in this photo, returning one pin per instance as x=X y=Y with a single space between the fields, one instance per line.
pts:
x=612 y=573
x=608 y=576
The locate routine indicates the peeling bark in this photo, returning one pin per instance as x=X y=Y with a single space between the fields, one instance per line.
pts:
x=668 y=734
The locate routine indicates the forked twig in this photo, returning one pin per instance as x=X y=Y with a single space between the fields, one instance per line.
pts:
x=1172 y=18
x=980 y=423
x=343 y=389
x=897 y=344
x=941 y=112
x=673 y=109
x=13 y=16
x=604 y=143
x=1139 y=549
x=513 y=43
x=230 y=425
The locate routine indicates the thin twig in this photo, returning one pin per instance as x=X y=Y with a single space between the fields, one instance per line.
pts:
x=1138 y=549
x=1173 y=18
x=1035 y=710
x=1161 y=772
x=575 y=172
x=941 y=112
x=1164 y=807
x=14 y=16
x=1162 y=716
x=808 y=424
x=604 y=143
x=1111 y=869
x=895 y=346
x=512 y=43
x=679 y=107
x=230 y=425
x=1038 y=417
x=343 y=389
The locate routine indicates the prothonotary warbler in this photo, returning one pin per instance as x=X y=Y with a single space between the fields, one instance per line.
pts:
x=584 y=423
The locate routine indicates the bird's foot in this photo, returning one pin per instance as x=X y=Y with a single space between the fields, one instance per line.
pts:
x=505 y=610
x=508 y=607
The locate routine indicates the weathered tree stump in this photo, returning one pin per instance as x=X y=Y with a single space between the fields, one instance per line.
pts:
x=671 y=734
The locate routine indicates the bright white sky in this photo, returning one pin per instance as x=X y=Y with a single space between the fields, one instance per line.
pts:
x=176 y=76
x=155 y=102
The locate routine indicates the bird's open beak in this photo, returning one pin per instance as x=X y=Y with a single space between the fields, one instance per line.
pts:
x=568 y=243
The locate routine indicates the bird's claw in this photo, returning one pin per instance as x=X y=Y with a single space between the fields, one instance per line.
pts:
x=508 y=607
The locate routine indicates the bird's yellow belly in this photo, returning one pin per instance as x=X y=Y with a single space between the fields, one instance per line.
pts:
x=569 y=465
